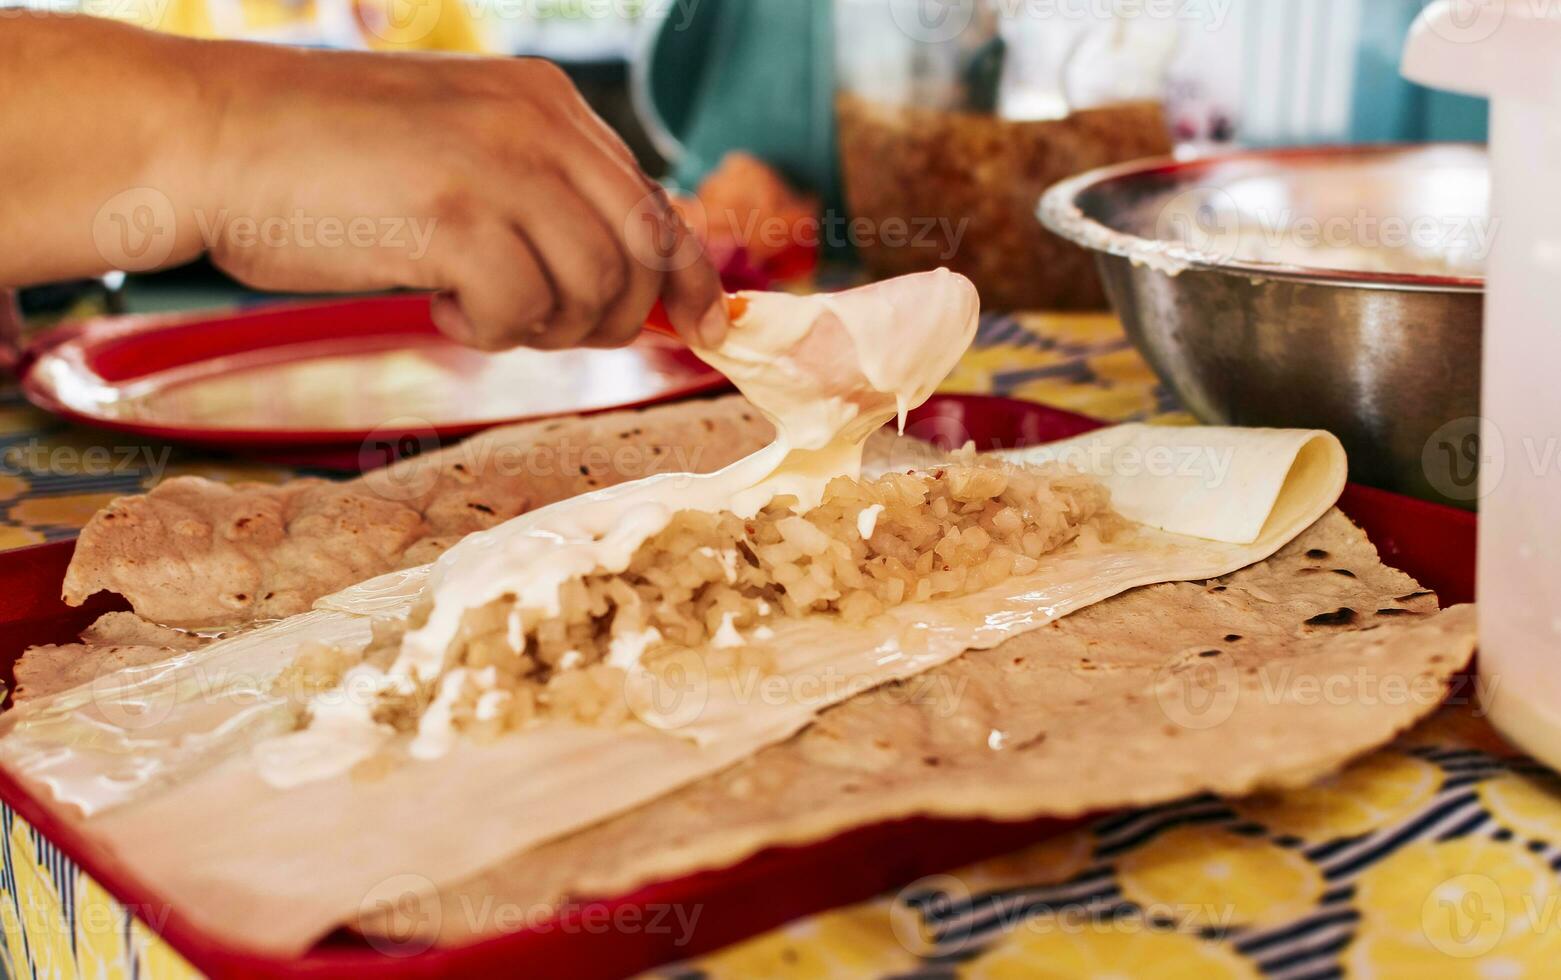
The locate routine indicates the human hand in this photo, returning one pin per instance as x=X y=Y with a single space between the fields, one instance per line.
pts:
x=489 y=181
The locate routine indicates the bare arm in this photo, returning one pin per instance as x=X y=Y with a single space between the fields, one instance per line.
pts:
x=487 y=180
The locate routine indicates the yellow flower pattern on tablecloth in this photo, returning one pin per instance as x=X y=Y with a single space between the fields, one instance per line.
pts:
x=1374 y=956
x=22 y=418
x=19 y=537
x=1461 y=896
x=1373 y=885
x=1459 y=724
x=1377 y=792
x=59 y=923
x=1529 y=807
x=1127 y=950
x=1212 y=877
x=977 y=372
x=101 y=927
x=1475 y=907
x=67 y=510
x=155 y=958
x=40 y=908
x=1391 y=868
x=1048 y=863
x=1071 y=331
x=850 y=943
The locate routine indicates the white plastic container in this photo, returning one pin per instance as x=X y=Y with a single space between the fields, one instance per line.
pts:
x=1511 y=52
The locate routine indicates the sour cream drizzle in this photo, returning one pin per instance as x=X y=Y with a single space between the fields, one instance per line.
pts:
x=827 y=370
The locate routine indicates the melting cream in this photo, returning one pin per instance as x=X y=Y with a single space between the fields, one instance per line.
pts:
x=436 y=729
x=341 y=733
x=827 y=370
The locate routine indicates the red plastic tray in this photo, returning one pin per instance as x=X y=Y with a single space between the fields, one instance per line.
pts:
x=375 y=367
x=1433 y=543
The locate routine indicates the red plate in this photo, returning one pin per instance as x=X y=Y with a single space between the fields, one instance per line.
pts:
x=329 y=375
x=1433 y=543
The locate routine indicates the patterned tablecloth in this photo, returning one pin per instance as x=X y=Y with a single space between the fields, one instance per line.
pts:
x=1435 y=857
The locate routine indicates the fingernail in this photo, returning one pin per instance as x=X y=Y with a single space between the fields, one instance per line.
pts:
x=714 y=325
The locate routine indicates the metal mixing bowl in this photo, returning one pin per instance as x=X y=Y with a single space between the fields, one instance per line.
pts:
x=1331 y=288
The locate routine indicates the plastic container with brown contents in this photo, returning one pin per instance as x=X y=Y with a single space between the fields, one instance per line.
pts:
x=956 y=116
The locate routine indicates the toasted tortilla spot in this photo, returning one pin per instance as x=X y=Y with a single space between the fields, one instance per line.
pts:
x=1342 y=616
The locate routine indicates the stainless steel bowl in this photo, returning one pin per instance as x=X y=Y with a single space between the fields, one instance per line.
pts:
x=1332 y=288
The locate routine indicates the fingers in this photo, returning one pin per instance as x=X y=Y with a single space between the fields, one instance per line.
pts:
x=582 y=258
x=695 y=301
x=590 y=244
x=617 y=318
x=493 y=292
x=653 y=239
x=657 y=238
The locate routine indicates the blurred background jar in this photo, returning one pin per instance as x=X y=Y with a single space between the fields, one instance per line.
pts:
x=955 y=115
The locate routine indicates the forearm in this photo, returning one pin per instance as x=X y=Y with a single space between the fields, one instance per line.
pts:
x=488 y=182
x=105 y=135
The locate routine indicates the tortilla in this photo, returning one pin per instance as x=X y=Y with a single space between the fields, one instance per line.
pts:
x=117 y=640
x=290 y=864
x=1098 y=711
x=293 y=863
x=199 y=554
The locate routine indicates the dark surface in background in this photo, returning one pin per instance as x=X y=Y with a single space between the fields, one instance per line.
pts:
x=605 y=85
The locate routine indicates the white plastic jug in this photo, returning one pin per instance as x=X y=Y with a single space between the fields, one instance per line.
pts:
x=1510 y=51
